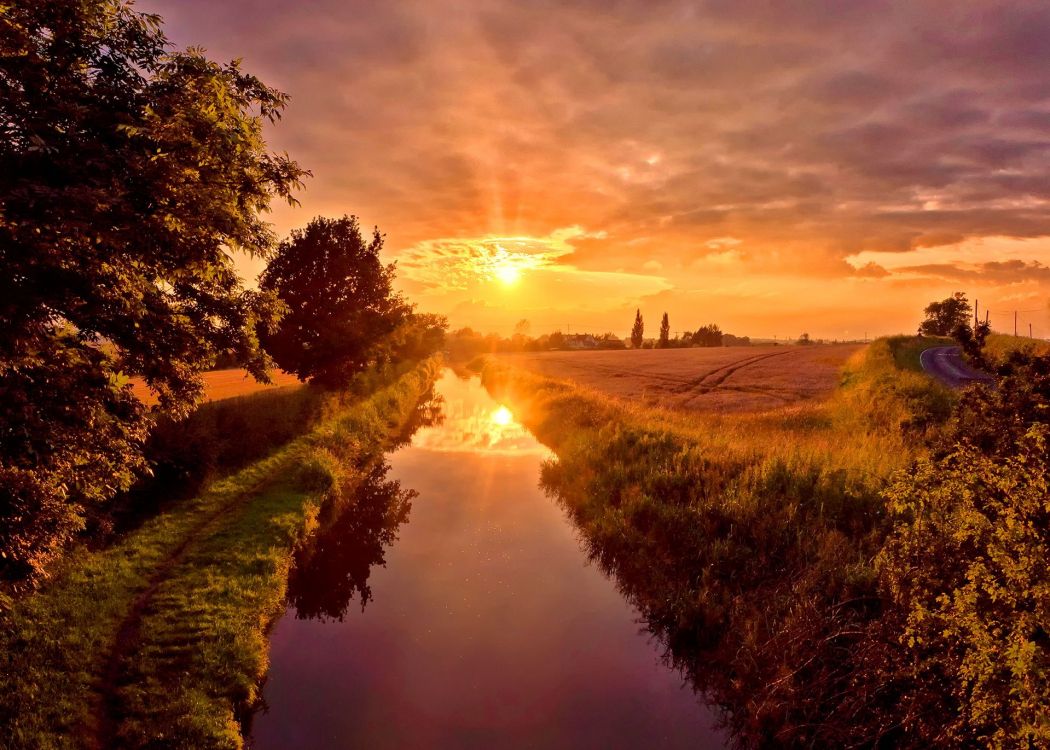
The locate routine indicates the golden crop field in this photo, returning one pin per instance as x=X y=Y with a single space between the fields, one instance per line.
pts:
x=724 y=379
x=220 y=384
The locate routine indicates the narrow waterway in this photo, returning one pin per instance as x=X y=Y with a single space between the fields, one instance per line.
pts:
x=451 y=606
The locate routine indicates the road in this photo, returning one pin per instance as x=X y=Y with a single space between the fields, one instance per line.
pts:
x=947 y=365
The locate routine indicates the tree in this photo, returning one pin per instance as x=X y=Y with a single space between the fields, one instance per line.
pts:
x=638 y=331
x=804 y=339
x=128 y=175
x=341 y=304
x=947 y=317
x=665 y=332
x=709 y=335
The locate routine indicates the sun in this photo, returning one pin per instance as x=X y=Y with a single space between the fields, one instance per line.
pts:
x=502 y=416
x=508 y=273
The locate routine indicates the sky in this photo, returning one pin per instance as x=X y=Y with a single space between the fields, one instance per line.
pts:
x=772 y=167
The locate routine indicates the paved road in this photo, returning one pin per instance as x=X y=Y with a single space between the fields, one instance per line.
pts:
x=946 y=364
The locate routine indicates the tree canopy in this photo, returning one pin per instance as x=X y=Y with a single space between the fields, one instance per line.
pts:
x=709 y=335
x=340 y=300
x=129 y=174
x=947 y=317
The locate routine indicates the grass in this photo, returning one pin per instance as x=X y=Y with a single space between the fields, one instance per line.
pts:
x=717 y=379
x=908 y=349
x=160 y=639
x=746 y=541
x=999 y=346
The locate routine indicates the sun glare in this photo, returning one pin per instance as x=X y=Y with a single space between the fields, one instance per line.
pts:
x=502 y=416
x=508 y=273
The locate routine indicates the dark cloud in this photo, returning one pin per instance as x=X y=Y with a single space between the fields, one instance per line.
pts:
x=808 y=130
x=998 y=272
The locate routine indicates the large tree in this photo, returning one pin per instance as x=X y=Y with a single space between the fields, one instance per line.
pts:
x=342 y=308
x=949 y=317
x=129 y=175
x=665 y=332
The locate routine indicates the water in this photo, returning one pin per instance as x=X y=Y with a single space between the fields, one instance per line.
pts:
x=483 y=627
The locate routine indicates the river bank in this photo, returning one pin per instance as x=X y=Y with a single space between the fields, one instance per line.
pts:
x=748 y=544
x=160 y=639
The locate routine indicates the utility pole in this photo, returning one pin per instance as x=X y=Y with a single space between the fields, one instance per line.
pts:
x=976 y=318
x=1015 y=323
x=1029 y=330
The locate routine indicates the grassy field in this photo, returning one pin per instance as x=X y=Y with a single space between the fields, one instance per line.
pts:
x=160 y=639
x=721 y=379
x=745 y=539
x=999 y=346
x=220 y=384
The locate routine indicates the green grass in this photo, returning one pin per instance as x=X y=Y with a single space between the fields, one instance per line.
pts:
x=190 y=594
x=907 y=349
x=745 y=541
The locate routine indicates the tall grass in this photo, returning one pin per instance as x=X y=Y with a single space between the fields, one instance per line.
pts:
x=999 y=346
x=746 y=541
x=159 y=640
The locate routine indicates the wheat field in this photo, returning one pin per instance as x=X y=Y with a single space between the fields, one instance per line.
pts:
x=724 y=379
x=220 y=384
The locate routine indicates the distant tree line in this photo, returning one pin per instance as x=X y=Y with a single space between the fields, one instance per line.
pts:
x=706 y=335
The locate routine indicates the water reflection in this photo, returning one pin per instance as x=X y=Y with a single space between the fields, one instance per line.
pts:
x=473 y=426
x=336 y=563
x=356 y=527
x=484 y=626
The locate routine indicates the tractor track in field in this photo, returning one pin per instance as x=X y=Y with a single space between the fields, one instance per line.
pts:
x=714 y=379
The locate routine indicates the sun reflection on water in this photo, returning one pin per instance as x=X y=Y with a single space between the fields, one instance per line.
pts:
x=474 y=423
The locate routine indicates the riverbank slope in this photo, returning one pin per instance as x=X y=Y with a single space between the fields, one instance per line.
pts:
x=160 y=639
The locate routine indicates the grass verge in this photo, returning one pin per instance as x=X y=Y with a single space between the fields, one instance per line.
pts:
x=159 y=640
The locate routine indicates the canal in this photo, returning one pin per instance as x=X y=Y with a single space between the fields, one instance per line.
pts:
x=451 y=605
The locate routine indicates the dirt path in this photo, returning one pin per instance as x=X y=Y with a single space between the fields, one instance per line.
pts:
x=107 y=708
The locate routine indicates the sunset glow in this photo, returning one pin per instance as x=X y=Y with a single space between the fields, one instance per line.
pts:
x=760 y=165
x=508 y=274
x=502 y=416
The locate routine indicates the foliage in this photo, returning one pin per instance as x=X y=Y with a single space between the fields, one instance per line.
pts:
x=340 y=300
x=947 y=317
x=708 y=335
x=637 y=330
x=201 y=582
x=128 y=174
x=665 y=332
x=804 y=339
x=966 y=569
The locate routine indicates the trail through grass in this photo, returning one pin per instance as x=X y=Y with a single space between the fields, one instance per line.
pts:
x=160 y=639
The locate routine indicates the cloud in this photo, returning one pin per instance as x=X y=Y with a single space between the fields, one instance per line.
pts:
x=810 y=132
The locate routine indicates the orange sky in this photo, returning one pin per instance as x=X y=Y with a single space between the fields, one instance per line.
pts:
x=826 y=167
